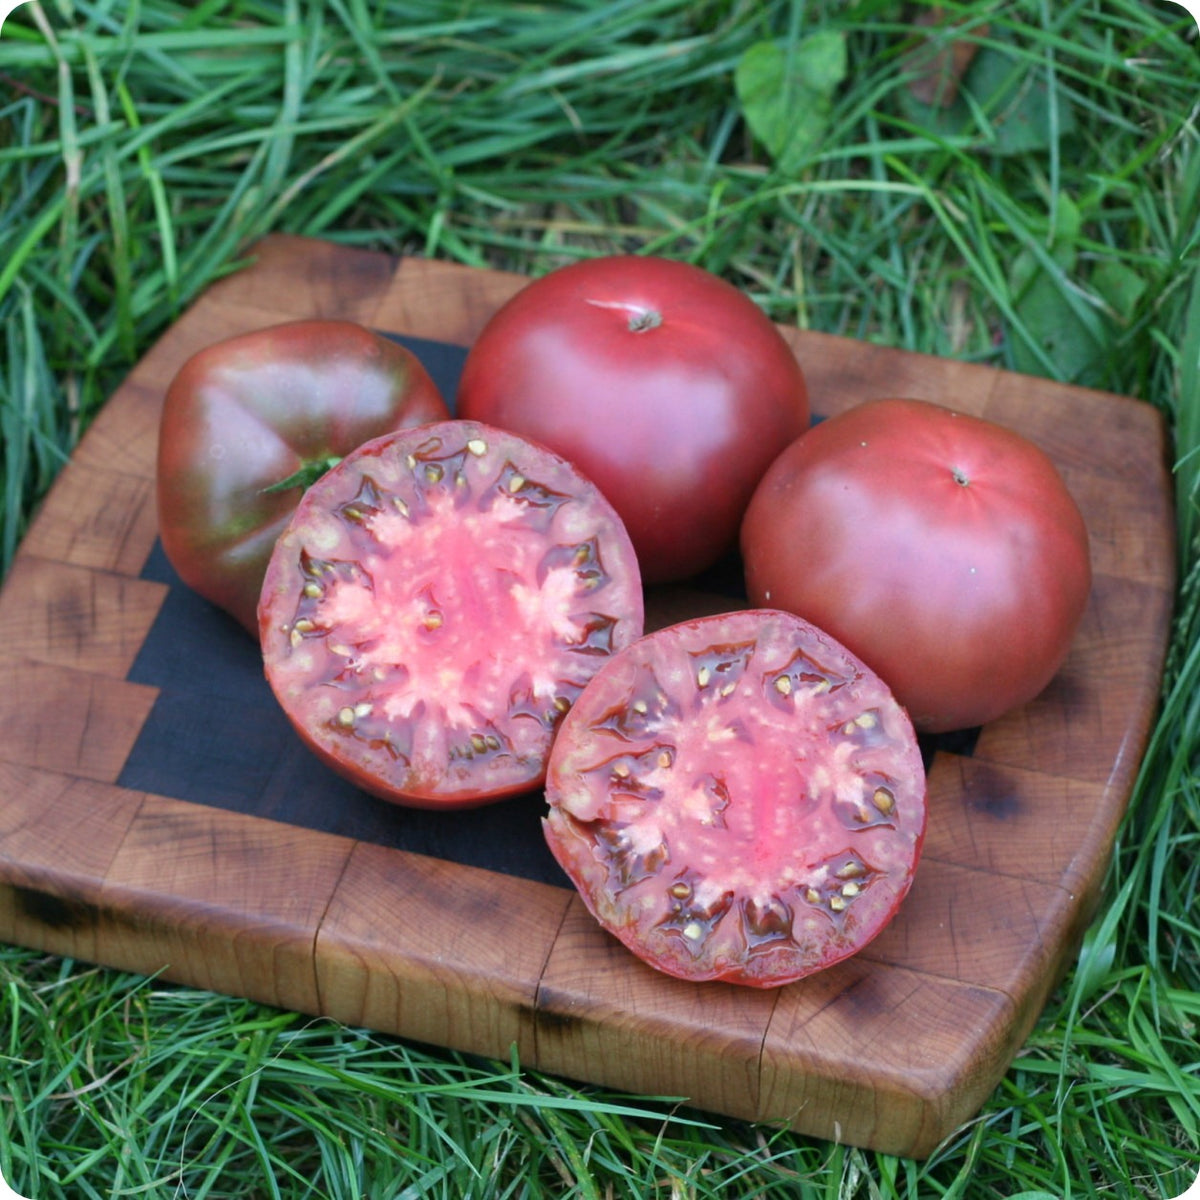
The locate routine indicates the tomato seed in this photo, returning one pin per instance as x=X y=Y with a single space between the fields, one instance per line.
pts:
x=477 y=447
x=884 y=801
x=783 y=685
x=837 y=903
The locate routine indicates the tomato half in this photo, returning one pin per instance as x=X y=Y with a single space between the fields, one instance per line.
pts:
x=738 y=797
x=249 y=421
x=944 y=550
x=439 y=599
x=667 y=386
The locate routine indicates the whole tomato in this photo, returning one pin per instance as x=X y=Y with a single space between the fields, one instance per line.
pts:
x=942 y=549
x=663 y=383
x=249 y=422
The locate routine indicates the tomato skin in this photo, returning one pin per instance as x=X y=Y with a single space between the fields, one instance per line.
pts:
x=435 y=604
x=663 y=383
x=738 y=798
x=943 y=549
x=253 y=410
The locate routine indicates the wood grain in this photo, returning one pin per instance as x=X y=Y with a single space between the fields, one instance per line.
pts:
x=61 y=613
x=892 y=1049
x=449 y=954
x=219 y=900
x=884 y=1057
x=603 y=1015
x=58 y=837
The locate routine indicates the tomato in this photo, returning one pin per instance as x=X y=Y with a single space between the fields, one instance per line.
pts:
x=247 y=422
x=738 y=797
x=663 y=383
x=439 y=599
x=943 y=549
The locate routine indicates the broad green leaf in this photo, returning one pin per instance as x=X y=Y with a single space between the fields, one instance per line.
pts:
x=1016 y=98
x=1061 y=333
x=1119 y=286
x=1003 y=103
x=1062 y=246
x=1040 y=299
x=786 y=94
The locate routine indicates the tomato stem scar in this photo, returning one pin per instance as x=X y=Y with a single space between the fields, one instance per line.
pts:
x=649 y=318
x=640 y=319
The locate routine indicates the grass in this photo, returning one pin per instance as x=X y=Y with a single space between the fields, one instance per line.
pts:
x=1047 y=222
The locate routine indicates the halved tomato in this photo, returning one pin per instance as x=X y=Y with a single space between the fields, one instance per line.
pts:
x=738 y=797
x=436 y=604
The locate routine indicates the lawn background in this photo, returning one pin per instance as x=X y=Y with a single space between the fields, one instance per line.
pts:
x=1046 y=220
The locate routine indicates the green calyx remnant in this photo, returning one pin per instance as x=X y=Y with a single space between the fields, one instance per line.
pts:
x=305 y=477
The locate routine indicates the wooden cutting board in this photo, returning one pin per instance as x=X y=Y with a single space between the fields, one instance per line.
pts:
x=156 y=814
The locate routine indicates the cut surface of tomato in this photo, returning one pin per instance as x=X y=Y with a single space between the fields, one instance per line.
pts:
x=438 y=601
x=738 y=797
